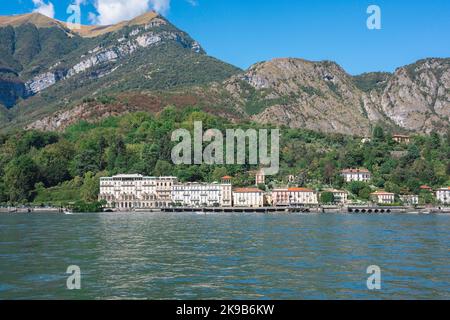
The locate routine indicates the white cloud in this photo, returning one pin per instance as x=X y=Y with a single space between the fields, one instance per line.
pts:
x=114 y=11
x=193 y=3
x=161 y=6
x=44 y=8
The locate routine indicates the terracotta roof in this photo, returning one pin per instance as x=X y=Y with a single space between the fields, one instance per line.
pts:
x=426 y=188
x=227 y=178
x=247 y=190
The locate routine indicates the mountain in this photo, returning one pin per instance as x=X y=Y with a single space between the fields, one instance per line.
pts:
x=45 y=65
x=52 y=76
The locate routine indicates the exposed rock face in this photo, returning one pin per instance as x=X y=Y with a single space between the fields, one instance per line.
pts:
x=302 y=94
x=139 y=38
x=417 y=97
x=314 y=95
x=322 y=96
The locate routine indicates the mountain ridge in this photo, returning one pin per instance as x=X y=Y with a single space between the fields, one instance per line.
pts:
x=149 y=57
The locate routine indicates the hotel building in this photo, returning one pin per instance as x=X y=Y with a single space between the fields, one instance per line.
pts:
x=356 y=175
x=248 y=198
x=134 y=191
x=409 y=199
x=383 y=197
x=293 y=196
x=203 y=194
x=443 y=195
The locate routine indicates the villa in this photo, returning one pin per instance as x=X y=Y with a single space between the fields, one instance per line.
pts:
x=340 y=196
x=410 y=199
x=401 y=139
x=383 y=197
x=203 y=194
x=248 y=198
x=356 y=175
x=443 y=195
x=293 y=196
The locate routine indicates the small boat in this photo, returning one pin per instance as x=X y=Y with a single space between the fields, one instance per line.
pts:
x=68 y=212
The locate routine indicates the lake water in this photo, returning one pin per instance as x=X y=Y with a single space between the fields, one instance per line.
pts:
x=227 y=256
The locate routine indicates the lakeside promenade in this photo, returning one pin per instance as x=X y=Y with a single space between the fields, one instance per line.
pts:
x=314 y=209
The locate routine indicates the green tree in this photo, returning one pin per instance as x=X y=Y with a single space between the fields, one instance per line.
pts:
x=90 y=187
x=219 y=173
x=327 y=197
x=163 y=168
x=53 y=162
x=21 y=174
x=149 y=158
x=378 y=133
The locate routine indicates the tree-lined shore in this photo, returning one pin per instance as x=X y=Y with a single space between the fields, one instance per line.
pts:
x=57 y=168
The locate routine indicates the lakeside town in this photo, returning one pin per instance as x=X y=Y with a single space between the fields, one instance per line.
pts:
x=356 y=192
x=135 y=192
x=129 y=192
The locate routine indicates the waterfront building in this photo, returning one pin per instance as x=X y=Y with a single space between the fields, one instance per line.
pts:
x=134 y=191
x=196 y=195
x=248 y=198
x=443 y=195
x=383 y=197
x=293 y=196
x=409 y=199
x=356 y=175
x=340 y=196
x=401 y=138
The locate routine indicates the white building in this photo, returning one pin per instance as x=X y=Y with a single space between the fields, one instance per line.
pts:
x=248 y=198
x=409 y=199
x=356 y=175
x=443 y=195
x=340 y=196
x=134 y=191
x=203 y=194
x=383 y=197
x=293 y=196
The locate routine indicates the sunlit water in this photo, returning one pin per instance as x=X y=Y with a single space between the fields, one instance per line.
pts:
x=226 y=256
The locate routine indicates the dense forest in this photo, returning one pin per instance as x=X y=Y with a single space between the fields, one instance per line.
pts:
x=45 y=168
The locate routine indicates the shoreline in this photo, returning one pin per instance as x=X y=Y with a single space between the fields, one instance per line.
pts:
x=265 y=210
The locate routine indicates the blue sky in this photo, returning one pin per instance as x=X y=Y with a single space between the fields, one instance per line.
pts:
x=243 y=32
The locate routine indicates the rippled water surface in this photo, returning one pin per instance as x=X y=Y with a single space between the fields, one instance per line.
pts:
x=231 y=256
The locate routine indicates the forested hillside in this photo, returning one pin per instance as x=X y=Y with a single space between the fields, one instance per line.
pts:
x=54 y=168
